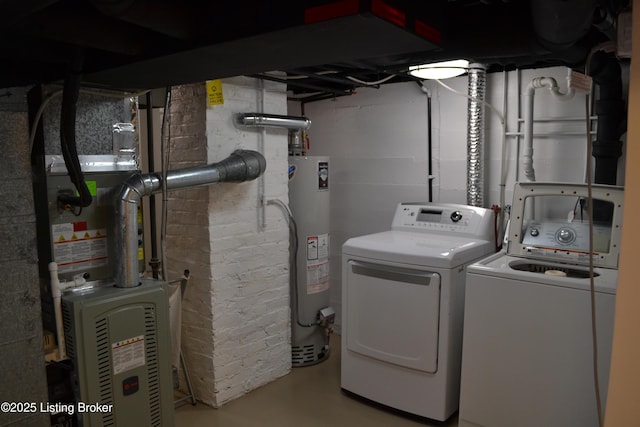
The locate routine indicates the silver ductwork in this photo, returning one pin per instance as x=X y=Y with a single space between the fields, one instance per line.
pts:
x=272 y=120
x=475 y=135
x=241 y=165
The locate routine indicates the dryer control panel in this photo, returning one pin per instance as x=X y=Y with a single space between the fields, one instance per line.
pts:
x=446 y=218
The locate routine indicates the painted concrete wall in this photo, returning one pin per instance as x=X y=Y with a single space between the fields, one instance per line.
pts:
x=377 y=141
x=236 y=327
x=22 y=369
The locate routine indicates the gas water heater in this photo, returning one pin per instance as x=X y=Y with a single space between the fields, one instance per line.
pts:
x=311 y=315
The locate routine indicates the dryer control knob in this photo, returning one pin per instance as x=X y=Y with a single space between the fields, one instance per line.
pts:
x=456 y=216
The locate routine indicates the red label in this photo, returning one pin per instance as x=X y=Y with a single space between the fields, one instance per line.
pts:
x=80 y=226
x=391 y=14
x=331 y=11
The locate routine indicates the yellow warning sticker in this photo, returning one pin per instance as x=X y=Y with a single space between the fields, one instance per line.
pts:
x=61 y=238
x=86 y=235
x=214 y=92
x=74 y=237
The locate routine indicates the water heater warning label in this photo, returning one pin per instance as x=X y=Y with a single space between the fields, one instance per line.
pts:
x=127 y=354
x=317 y=277
x=317 y=263
x=75 y=247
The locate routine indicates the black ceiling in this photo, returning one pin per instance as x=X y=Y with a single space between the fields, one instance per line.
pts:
x=326 y=47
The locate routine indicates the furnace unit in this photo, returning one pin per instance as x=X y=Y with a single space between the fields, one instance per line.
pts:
x=119 y=341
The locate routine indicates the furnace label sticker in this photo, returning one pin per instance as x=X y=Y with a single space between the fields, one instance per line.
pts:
x=317 y=277
x=75 y=247
x=127 y=354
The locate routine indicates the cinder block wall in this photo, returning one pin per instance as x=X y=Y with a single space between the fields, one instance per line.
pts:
x=236 y=327
x=22 y=371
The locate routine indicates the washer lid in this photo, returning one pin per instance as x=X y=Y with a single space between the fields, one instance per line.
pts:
x=526 y=271
x=422 y=249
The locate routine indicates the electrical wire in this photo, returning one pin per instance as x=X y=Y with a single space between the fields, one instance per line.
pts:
x=592 y=289
x=504 y=164
x=375 y=83
x=164 y=153
x=293 y=237
x=38 y=116
x=322 y=73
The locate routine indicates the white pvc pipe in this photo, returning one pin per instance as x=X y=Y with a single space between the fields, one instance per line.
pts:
x=527 y=155
x=537 y=83
x=56 y=293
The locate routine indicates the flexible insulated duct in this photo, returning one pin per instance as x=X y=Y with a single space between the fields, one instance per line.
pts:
x=241 y=165
x=475 y=135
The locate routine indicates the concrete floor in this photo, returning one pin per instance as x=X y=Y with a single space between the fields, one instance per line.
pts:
x=309 y=397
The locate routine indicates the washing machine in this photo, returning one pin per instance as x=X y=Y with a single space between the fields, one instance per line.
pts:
x=528 y=344
x=402 y=302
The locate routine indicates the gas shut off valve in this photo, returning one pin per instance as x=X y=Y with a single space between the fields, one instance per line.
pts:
x=326 y=318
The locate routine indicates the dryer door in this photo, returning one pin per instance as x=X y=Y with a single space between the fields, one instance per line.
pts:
x=393 y=314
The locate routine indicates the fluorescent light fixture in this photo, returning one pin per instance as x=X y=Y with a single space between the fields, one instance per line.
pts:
x=440 y=70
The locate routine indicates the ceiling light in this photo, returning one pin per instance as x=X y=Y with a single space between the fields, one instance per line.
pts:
x=440 y=70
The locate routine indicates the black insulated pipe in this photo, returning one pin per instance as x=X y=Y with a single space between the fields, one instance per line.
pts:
x=70 y=95
x=610 y=110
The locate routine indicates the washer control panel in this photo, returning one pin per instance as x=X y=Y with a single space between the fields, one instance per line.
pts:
x=439 y=217
x=566 y=236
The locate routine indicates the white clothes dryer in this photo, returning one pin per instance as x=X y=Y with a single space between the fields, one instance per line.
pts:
x=402 y=302
x=528 y=347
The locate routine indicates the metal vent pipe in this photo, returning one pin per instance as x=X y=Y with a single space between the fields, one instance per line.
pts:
x=241 y=165
x=475 y=135
x=272 y=120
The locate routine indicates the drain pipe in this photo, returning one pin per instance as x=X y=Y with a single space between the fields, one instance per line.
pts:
x=241 y=165
x=475 y=135
x=537 y=83
x=610 y=109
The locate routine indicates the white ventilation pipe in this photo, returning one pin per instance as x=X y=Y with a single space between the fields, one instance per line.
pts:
x=538 y=83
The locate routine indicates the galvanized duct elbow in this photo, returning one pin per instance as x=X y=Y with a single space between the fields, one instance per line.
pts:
x=241 y=165
x=475 y=135
x=272 y=120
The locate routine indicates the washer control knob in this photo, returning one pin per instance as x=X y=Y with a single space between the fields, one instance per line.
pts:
x=456 y=216
x=534 y=232
x=565 y=235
